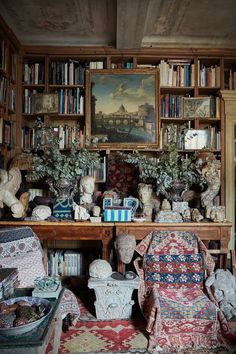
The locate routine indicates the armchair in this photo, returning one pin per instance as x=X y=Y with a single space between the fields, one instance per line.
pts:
x=172 y=268
x=20 y=248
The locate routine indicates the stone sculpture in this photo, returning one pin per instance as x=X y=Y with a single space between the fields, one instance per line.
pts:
x=210 y=171
x=148 y=200
x=41 y=212
x=9 y=184
x=87 y=185
x=80 y=213
x=125 y=246
x=223 y=284
x=100 y=268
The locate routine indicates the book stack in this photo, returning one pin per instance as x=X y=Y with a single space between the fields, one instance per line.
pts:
x=8 y=282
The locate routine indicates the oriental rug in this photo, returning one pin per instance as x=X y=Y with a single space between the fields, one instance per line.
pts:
x=91 y=336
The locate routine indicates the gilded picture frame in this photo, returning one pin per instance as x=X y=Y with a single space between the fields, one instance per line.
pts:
x=122 y=108
x=197 y=107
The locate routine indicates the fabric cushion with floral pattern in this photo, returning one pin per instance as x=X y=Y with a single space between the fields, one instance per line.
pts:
x=174 y=271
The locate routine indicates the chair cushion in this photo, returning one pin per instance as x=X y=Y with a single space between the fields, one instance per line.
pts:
x=186 y=304
x=174 y=271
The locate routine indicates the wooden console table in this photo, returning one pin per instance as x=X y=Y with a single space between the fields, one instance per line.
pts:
x=207 y=231
x=82 y=231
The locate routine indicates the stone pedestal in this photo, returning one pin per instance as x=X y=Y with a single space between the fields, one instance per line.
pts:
x=113 y=297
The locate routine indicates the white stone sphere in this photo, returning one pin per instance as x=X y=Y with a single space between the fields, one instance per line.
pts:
x=100 y=268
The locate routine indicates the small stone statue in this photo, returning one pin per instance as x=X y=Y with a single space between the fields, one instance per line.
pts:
x=41 y=212
x=80 y=213
x=87 y=185
x=196 y=215
x=9 y=184
x=223 y=284
x=148 y=200
x=100 y=268
x=125 y=246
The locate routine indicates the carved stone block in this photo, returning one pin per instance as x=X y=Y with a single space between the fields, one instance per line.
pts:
x=113 y=297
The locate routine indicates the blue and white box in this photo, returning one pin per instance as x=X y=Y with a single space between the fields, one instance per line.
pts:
x=119 y=214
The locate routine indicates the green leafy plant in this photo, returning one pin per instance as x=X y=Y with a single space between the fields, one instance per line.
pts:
x=53 y=164
x=168 y=167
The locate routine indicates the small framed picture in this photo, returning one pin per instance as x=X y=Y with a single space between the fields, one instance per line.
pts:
x=197 y=107
x=131 y=203
x=44 y=103
x=107 y=202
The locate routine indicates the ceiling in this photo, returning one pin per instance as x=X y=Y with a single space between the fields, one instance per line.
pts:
x=123 y=23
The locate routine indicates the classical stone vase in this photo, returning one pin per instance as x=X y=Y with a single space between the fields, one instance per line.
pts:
x=174 y=192
x=64 y=190
x=63 y=187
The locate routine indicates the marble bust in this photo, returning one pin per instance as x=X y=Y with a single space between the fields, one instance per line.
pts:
x=87 y=185
x=125 y=246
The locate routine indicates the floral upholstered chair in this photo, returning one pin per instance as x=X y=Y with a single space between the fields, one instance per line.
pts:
x=20 y=248
x=172 y=269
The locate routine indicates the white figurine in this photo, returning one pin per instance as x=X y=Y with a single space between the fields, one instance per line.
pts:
x=148 y=200
x=9 y=185
x=87 y=185
x=80 y=213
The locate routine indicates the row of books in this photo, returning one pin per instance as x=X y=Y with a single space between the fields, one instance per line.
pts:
x=208 y=76
x=67 y=134
x=70 y=262
x=33 y=73
x=3 y=54
x=3 y=89
x=96 y=65
x=230 y=79
x=127 y=65
x=71 y=101
x=12 y=98
x=98 y=172
x=27 y=104
x=66 y=73
x=172 y=106
x=176 y=74
x=194 y=139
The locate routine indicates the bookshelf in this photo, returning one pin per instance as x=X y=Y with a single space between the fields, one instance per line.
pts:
x=183 y=73
x=8 y=96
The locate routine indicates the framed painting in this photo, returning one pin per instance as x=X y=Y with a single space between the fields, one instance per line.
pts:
x=45 y=103
x=122 y=108
x=196 y=107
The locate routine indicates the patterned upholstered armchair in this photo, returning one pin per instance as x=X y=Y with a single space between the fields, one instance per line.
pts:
x=172 y=269
x=20 y=248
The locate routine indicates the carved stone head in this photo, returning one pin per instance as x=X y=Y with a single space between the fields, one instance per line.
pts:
x=125 y=246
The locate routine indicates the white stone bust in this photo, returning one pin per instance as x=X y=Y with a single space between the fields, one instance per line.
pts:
x=87 y=185
x=125 y=246
x=145 y=193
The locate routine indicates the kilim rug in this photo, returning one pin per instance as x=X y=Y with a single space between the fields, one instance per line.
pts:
x=91 y=336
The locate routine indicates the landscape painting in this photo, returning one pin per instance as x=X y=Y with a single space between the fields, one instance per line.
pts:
x=122 y=107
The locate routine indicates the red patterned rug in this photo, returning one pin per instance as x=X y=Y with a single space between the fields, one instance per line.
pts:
x=90 y=336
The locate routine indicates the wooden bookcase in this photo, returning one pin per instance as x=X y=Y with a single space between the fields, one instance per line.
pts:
x=9 y=123
x=183 y=73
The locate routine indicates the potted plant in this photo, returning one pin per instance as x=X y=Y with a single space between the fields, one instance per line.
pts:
x=171 y=172
x=60 y=169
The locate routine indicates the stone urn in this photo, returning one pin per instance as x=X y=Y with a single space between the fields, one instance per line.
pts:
x=175 y=191
x=63 y=187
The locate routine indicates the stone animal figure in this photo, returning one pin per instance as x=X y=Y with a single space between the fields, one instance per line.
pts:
x=223 y=284
x=149 y=201
x=9 y=184
x=211 y=173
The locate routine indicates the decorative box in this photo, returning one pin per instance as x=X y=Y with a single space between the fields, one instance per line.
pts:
x=119 y=213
